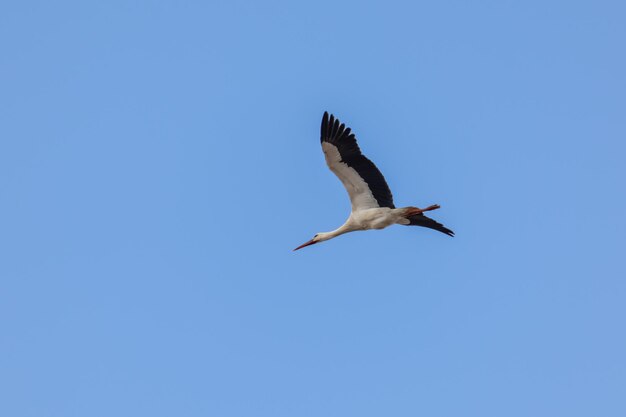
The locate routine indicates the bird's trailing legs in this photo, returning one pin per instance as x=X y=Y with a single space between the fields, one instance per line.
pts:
x=413 y=211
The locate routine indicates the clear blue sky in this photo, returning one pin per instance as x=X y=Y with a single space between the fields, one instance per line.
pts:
x=160 y=160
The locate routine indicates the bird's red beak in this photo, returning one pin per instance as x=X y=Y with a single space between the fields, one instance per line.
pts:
x=310 y=242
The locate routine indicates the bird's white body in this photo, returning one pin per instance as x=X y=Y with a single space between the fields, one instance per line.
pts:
x=368 y=219
x=377 y=218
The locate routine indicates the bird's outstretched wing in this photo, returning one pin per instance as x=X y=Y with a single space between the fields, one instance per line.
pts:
x=365 y=184
x=421 y=220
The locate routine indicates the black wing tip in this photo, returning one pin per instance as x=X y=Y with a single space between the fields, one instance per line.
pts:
x=421 y=220
x=441 y=228
x=330 y=119
x=444 y=229
x=325 y=118
x=332 y=129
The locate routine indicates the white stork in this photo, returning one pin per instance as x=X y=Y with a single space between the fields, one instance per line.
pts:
x=372 y=202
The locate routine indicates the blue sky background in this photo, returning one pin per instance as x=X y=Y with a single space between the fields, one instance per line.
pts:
x=160 y=160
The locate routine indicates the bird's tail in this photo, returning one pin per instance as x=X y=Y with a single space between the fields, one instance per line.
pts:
x=416 y=218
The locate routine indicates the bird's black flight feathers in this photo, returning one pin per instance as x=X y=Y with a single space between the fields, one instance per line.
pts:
x=421 y=220
x=338 y=135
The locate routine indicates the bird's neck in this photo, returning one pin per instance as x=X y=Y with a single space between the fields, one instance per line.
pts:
x=337 y=232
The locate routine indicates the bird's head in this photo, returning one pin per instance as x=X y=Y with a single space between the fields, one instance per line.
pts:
x=320 y=237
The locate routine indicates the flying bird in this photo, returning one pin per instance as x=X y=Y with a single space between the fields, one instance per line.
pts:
x=372 y=202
